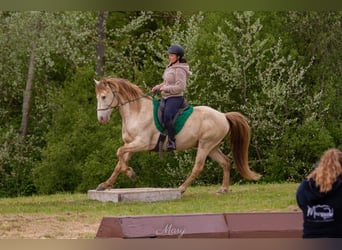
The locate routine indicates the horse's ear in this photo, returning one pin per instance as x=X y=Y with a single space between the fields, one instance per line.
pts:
x=96 y=82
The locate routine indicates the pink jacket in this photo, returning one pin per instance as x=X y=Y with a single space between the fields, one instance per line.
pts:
x=174 y=77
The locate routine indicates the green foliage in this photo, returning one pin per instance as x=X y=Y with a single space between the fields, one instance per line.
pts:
x=259 y=81
x=70 y=137
x=318 y=34
x=129 y=48
x=299 y=150
x=56 y=38
x=17 y=157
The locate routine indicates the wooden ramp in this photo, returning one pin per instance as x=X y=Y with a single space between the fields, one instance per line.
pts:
x=135 y=194
x=225 y=225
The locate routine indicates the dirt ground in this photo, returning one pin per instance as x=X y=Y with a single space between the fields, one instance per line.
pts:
x=33 y=226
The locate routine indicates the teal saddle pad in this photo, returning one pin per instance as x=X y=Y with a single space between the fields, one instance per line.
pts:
x=179 y=123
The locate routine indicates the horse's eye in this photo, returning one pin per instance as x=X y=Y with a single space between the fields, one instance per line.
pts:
x=103 y=97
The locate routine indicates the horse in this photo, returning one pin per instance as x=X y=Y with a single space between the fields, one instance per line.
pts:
x=205 y=129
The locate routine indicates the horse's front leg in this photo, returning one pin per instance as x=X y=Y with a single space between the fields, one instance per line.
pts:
x=124 y=153
x=127 y=170
x=121 y=166
x=110 y=181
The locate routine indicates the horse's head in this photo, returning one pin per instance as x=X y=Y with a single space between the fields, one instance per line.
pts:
x=106 y=100
x=116 y=92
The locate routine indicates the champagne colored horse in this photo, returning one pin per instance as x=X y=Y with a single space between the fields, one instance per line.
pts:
x=205 y=129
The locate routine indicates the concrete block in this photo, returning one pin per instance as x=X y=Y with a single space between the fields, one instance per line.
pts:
x=135 y=194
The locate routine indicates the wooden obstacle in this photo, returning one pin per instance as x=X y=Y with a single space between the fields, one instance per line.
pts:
x=225 y=225
x=135 y=194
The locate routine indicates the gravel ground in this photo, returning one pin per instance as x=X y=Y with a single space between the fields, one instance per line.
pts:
x=41 y=226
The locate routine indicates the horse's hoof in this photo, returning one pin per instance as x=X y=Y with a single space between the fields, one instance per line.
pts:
x=221 y=191
x=133 y=176
x=181 y=190
x=100 y=188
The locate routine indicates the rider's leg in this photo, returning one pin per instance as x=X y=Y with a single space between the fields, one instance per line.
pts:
x=172 y=104
x=171 y=136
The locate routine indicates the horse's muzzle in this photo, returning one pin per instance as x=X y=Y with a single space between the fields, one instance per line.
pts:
x=103 y=119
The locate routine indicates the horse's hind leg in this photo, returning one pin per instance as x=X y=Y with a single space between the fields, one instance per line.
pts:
x=196 y=170
x=217 y=155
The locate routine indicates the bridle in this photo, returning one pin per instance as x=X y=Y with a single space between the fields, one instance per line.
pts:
x=114 y=92
x=115 y=96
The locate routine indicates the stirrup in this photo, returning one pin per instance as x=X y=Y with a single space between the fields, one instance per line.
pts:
x=171 y=145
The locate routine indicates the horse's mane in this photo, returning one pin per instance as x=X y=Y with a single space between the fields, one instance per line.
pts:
x=124 y=88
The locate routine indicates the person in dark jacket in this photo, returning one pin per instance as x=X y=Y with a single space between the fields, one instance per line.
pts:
x=319 y=197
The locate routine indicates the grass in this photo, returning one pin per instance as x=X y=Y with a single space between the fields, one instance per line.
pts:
x=241 y=198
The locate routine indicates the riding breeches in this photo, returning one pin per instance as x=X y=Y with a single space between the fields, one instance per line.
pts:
x=172 y=104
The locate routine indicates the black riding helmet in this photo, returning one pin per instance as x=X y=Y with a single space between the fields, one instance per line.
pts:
x=176 y=49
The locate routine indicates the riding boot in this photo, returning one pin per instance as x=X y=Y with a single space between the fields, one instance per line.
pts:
x=171 y=136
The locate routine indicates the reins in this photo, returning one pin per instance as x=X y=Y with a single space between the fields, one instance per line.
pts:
x=129 y=101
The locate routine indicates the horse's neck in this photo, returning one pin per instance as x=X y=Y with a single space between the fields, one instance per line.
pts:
x=127 y=113
x=130 y=114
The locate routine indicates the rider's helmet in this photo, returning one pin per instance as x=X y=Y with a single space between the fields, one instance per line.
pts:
x=176 y=49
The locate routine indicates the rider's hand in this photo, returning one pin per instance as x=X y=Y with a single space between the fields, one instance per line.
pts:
x=155 y=88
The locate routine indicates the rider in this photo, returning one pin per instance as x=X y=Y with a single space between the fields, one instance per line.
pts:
x=172 y=89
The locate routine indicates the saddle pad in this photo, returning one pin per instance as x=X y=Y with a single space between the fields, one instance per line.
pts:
x=181 y=119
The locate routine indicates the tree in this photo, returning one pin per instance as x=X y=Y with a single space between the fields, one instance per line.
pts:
x=101 y=41
x=27 y=100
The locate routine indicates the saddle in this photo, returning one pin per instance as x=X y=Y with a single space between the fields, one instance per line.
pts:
x=178 y=121
x=161 y=108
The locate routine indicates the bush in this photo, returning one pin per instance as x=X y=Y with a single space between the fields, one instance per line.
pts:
x=17 y=158
x=293 y=159
x=70 y=139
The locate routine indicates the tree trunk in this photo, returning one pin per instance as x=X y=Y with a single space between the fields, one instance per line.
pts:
x=100 y=45
x=27 y=99
x=27 y=102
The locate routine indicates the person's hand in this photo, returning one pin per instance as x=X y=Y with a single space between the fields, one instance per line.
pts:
x=155 y=88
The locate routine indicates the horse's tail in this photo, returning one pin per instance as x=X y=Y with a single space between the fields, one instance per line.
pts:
x=239 y=143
